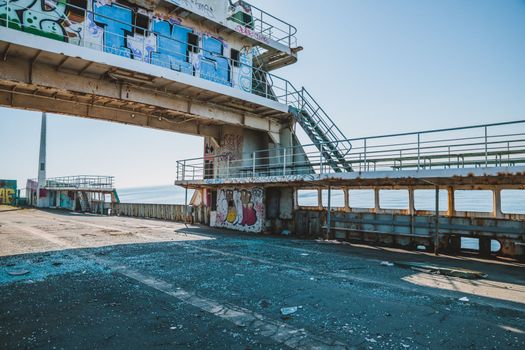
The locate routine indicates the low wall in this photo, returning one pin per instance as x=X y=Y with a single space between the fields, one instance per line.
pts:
x=397 y=228
x=170 y=212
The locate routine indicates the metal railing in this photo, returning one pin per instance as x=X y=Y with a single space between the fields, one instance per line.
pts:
x=139 y=48
x=485 y=145
x=269 y=25
x=80 y=182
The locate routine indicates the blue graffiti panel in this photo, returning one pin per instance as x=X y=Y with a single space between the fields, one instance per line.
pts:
x=116 y=21
x=214 y=66
x=172 y=47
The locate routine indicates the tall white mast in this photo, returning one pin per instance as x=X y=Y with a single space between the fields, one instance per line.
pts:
x=42 y=158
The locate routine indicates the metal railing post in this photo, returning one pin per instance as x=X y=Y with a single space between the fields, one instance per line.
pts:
x=284 y=161
x=253 y=164
x=228 y=166
x=328 y=214
x=364 y=157
x=436 y=233
x=486 y=148
x=418 y=150
x=7 y=8
x=184 y=171
x=320 y=162
x=178 y=163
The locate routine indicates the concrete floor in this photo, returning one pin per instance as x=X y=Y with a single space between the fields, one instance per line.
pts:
x=97 y=282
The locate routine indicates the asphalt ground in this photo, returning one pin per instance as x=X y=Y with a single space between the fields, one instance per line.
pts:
x=72 y=281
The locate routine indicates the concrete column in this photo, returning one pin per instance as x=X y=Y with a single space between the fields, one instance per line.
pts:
x=411 y=202
x=451 y=211
x=496 y=203
x=320 y=198
x=377 y=201
x=346 y=194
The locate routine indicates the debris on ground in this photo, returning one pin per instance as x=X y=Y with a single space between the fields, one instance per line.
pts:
x=288 y=310
x=465 y=299
x=440 y=270
x=386 y=263
x=18 y=272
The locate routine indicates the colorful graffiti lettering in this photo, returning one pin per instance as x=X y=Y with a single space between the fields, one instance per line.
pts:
x=252 y=34
x=172 y=47
x=245 y=74
x=40 y=17
x=67 y=200
x=240 y=209
x=110 y=27
x=116 y=21
x=7 y=191
x=214 y=66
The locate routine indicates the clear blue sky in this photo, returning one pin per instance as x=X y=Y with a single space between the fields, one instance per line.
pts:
x=376 y=66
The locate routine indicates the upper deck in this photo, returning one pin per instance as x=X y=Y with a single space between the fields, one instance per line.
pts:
x=186 y=66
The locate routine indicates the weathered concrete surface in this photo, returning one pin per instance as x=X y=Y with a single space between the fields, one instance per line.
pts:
x=112 y=282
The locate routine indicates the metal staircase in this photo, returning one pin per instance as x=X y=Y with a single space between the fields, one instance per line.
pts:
x=84 y=201
x=320 y=128
x=323 y=132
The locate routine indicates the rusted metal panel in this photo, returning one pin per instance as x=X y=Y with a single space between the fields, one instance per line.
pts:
x=408 y=230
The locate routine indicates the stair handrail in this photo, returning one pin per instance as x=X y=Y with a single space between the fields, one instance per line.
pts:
x=340 y=138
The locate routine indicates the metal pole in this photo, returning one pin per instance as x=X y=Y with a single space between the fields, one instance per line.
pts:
x=486 y=149
x=328 y=214
x=7 y=8
x=228 y=167
x=186 y=206
x=364 y=165
x=418 y=150
x=321 y=161
x=436 y=233
x=253 y=164
x=284 y=161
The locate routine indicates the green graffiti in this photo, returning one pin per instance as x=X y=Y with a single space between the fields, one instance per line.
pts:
x=39 y=17
x=8 y=12
x=44 y=18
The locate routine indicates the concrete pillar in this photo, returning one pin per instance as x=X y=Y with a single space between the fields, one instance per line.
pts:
x=346 y=195
x=411 y=202
x=496 y=204
x=377 y=201
x=484 y=246
x=451 y=211
x=320 y=198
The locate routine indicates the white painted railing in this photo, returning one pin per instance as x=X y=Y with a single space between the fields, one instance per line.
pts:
x=487 y=145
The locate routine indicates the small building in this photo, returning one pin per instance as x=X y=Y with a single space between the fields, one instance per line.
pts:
x=84 y=193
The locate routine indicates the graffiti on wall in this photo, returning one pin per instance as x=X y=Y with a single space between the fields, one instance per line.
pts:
x=209 y=157
x=67 y=200
x=7 y=191
x=134 y=33
x=240 y=209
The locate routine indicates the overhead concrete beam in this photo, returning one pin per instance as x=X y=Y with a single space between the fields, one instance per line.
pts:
x=41 y=75
x=41 y=103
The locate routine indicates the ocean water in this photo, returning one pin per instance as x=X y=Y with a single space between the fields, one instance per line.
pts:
x=512 y=201
x=154 y=195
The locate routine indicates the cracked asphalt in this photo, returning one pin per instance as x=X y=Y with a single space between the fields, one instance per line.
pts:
x=72 y=281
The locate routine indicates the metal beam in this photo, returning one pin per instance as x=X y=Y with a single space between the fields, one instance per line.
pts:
x=39 y=103
x=41 y=75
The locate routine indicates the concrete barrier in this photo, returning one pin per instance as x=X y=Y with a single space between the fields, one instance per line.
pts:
x=170 y=212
